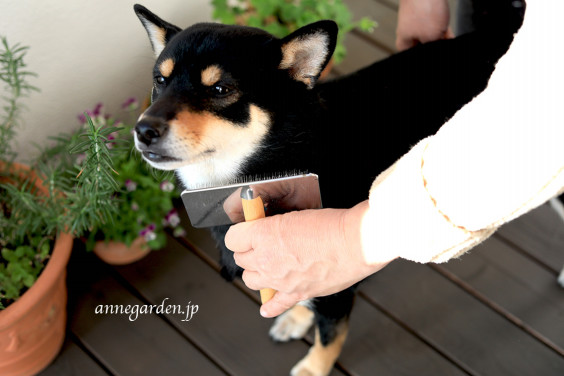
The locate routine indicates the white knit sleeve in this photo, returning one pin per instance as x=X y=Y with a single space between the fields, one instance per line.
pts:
x=497 y=158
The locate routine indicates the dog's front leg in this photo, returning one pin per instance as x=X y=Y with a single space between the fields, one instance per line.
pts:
x=331 y=316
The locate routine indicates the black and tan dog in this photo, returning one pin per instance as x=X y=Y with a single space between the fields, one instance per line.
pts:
x=232 y=101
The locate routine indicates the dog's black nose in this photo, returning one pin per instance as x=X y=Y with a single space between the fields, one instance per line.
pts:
x=149 y=130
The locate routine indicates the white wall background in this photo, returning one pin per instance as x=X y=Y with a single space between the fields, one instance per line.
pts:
x=84 y=52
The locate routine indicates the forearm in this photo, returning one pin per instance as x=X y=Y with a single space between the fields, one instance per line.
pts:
x=497 y=158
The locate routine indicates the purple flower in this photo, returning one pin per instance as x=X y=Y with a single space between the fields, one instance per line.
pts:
x=172 y=218
x=98 y=109
x=92 y=113
x=149 y=232
x=130 y=185
x=167 y=186
x=130 y=103
x=134 y=206
x=82 y=117
x=112 y=136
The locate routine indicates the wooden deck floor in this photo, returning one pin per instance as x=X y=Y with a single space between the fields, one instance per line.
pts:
x=496 y=311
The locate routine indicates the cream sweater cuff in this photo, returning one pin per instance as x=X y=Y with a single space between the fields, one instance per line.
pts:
x=403 y=219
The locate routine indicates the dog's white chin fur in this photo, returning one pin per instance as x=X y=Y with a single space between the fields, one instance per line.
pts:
x=207 y=173
x=166 y=166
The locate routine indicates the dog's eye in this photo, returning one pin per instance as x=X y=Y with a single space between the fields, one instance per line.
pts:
x=221 y=90
x=160 y=80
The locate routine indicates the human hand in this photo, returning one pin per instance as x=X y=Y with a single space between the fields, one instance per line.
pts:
x=278 y=196
x=301 y=254
x=422 y=21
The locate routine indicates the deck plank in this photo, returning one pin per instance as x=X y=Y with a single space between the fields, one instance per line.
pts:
x=145 y=346
x=384 y=34
x=73 y=361
x=540 y=234
x=376 y=344
x=360 y=54
x=520 y=287
x=227 y=326
x=462 y=327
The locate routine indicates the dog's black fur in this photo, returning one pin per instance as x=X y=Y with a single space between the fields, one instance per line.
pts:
x=347 y=131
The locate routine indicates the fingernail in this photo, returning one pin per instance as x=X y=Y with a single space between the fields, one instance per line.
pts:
x=263 y=313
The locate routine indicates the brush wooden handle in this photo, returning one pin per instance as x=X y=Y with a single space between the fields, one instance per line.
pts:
x=254 y=209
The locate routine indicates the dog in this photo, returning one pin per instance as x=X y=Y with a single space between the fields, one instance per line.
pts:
x=232 y=101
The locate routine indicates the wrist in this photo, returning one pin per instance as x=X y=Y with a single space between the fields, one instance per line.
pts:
x=358 y=234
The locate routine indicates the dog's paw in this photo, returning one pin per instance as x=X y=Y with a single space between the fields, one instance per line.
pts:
x=306 y=367
x=292 y=324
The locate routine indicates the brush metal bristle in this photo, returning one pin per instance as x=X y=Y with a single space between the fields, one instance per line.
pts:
x=243 y=180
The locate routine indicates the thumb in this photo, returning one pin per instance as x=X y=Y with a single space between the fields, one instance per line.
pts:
x=279 y=304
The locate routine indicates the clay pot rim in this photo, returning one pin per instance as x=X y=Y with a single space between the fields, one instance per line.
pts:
x=48 y=277
x=118 y=253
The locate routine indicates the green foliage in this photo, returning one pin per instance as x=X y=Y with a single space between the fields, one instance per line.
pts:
x=281 y=17
x=143 y=197
x=15 y=79
x=30 y=220
x=74 y=197
x=20 y=268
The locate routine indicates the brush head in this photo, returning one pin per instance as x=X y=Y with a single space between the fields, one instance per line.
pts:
x=221 y=205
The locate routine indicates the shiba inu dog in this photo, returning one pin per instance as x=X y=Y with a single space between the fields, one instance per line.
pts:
x=231 y=101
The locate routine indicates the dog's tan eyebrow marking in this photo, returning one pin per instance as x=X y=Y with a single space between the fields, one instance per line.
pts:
x=211 y=75
x=166 y=67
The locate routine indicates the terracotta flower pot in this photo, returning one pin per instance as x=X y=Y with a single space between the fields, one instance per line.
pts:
x=117 y=253
x=32 y=329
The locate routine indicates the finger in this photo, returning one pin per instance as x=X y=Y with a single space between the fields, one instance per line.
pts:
x=238 y=238
x=279 y=304
x=245 y=260
x=252 y=280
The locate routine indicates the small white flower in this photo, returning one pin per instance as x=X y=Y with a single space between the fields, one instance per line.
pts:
x=130 y=185
x=167 y=186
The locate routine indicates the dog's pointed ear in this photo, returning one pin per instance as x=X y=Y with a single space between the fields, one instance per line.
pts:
x=306 y=51
x=159 y=31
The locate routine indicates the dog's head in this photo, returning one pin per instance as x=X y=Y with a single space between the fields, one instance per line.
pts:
x=215 y=87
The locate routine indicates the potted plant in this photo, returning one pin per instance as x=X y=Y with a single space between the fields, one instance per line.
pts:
x=281 y=17
x=144 y=200
x=41 y=209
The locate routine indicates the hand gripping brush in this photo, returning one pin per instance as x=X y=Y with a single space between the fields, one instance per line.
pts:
x=250 y=200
